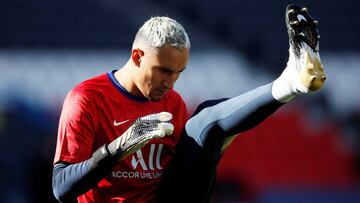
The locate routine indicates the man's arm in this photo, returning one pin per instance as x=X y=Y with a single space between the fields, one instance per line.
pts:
x=72 y=180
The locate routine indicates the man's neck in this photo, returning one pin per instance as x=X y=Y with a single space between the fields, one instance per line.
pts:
x=124 y=77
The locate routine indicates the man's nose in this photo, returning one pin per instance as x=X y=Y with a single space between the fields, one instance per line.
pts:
x=170 y=81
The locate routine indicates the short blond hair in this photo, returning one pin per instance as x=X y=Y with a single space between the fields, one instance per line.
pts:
x=160 y=31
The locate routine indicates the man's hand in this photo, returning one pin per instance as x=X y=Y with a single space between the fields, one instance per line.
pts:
x=72 y=180
x=141 y=132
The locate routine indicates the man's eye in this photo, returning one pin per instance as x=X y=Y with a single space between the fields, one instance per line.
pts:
x=167 y=71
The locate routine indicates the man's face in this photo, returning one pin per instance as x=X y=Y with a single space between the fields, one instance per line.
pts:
x=159 y=71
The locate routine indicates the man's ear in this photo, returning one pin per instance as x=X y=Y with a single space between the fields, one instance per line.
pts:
x=136 y=56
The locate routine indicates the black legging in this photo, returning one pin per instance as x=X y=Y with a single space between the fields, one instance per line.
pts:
x=191 y=174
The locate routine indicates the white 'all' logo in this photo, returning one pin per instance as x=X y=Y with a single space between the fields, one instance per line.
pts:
x=138 y=159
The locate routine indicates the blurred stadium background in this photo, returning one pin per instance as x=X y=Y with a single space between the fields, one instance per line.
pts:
x=307 y=152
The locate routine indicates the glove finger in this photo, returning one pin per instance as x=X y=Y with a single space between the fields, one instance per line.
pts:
x=163 y=116
x=134 y=148
x=168 y=128
x=156 y=134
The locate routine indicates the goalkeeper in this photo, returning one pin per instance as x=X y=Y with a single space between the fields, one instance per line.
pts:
x=94 y=164
x=108 y=117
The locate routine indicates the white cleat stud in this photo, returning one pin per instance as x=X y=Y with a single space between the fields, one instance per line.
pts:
x=294 y=22
x=304 y=9
x=302 y=34
x=291 y=11
x=316 y=22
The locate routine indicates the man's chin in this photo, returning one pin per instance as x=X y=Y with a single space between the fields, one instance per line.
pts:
x=156 y=98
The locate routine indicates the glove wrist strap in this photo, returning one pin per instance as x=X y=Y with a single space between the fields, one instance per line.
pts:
x=102 y=156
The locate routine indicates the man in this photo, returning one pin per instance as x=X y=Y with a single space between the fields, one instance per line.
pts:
x=96 y=133
x=110 y=175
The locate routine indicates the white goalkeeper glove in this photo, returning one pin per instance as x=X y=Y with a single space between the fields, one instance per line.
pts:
x=141 y=132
